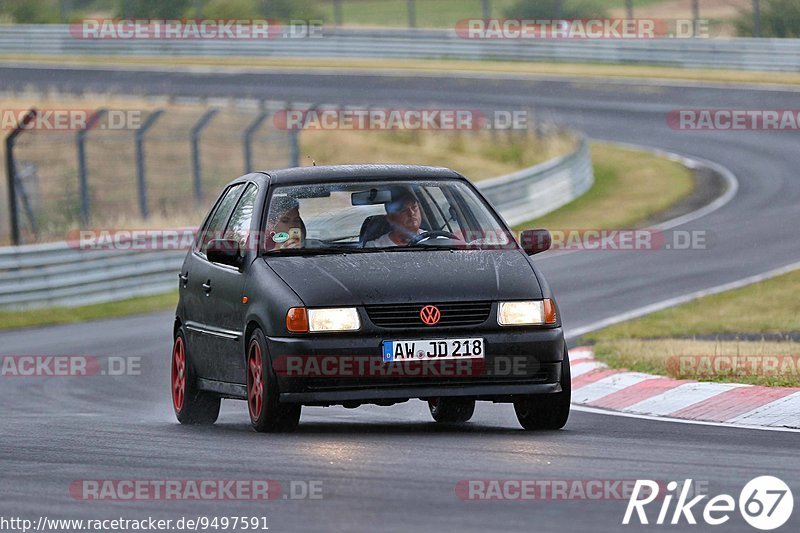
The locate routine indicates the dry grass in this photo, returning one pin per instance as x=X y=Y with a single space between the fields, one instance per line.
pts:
x=477 y=155
x=756 y=362
x=434 y=66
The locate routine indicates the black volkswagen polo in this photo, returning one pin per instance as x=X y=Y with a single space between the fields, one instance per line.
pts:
x=369 y=284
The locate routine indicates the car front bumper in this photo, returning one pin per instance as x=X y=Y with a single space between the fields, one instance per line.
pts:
x=342 y=369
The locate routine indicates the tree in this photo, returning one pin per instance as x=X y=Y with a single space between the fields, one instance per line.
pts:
x=779 y=18
x=31 y=11
x=549 y=9
x=274 y=9
x=154 y=9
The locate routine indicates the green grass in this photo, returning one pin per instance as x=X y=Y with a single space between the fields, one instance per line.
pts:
x=429 y=13
x=646 y=344
x=630 y=187
x=67 y=315
x=394 y=13
x=770 y=306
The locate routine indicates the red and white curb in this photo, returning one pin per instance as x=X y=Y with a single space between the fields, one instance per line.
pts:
x=597 y=386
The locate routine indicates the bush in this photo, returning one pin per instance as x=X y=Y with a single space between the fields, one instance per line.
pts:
x=548 y=9
x=779 y=18
x=276 y=9
x=228 y=9
x=32 y=11
x=153 y=9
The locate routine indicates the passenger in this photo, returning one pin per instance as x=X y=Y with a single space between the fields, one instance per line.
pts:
x=286 y=228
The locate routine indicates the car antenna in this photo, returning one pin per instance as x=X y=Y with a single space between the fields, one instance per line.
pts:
x=313 y=163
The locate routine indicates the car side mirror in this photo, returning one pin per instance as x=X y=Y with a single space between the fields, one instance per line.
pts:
x=224 y=252
x=534 y=241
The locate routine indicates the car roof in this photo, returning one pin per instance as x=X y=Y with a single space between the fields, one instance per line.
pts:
x=338 y=173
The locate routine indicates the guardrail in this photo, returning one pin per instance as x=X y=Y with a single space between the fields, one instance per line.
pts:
x=741 y=53
x=57 y=274
x=60 y=274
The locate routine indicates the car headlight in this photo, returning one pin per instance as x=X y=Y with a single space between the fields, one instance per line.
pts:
x=527 y=313
x=302 y=320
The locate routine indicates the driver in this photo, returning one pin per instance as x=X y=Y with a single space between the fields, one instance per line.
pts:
x=404 y=217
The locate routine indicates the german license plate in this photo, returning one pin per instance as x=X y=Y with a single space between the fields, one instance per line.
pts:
x=432 y=350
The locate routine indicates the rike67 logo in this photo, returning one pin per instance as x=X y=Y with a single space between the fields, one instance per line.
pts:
x=765 y=503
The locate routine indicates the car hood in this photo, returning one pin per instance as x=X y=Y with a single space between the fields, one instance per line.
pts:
x=408 y=277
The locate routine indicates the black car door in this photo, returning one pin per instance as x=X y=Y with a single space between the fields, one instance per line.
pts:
x=225 y=308
x=196 y=288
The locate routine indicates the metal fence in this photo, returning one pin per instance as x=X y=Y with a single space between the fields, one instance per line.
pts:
x=148 y=166
x=747 y=54
x=60 y=274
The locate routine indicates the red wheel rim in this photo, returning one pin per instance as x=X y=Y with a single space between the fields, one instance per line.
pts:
x=178 y=373
x=255 y=383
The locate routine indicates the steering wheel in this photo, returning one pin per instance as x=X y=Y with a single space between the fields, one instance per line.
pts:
x=427 y=235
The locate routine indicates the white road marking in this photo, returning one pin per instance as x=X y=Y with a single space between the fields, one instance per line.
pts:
x=608 y=385
x=679 y=398
x=784 y=411
x=584 y=367
x=596 y=411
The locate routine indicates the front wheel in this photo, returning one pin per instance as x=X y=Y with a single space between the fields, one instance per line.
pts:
x=267 y=414
x=451 y=410
x=547 y=411
x=191 y=405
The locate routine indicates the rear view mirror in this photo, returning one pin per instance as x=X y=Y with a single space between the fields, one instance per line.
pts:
x=371 y=197
x=224 y=252
x=534 y=241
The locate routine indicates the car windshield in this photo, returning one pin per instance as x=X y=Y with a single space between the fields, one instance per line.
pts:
x=381 y=216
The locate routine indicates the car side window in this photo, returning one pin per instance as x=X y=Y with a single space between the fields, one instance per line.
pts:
x=239 y=226
x=216 y=224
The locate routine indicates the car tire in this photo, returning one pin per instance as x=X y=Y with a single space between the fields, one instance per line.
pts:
x=267 y=414
x=451 y=410
x=191 y=405
x=547 y=411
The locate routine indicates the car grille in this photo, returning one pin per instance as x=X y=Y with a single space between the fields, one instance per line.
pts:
x=408 y=315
